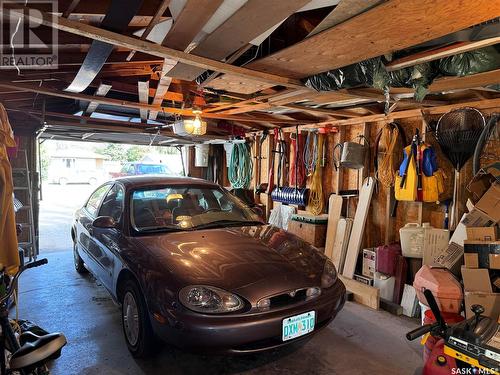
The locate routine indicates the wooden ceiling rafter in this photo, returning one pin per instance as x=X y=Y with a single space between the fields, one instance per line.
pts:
x=154 y=21
x=248 y=22
x=439 y=53
x=149 y=47
x=187 y=25
x=135 y=105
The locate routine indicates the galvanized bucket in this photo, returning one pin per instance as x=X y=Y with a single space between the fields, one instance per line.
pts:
x=352 y=154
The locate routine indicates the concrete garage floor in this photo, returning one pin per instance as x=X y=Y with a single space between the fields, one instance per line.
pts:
x=358 y=341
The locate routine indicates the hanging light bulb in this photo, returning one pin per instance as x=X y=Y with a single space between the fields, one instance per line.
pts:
x=196 y=126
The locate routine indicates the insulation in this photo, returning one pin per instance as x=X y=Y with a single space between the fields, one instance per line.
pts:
x=372 y=72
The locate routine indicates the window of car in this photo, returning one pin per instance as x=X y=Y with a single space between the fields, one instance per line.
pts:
x=95 y=200
x=176 y=208
x=152 y=169
x=112 y=205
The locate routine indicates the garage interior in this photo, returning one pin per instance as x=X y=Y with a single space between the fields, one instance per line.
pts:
x=304 y=108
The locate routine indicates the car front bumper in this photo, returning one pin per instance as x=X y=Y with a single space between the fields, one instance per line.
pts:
x=245 y=333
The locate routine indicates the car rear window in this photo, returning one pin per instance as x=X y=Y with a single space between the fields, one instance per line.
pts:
x=152 y=169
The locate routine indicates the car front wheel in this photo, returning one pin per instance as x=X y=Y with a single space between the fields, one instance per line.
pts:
x=79 y=265
x=137 y=329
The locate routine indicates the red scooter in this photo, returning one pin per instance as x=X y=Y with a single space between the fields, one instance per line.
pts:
x=468 y=347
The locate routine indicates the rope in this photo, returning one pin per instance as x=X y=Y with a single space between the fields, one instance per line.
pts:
x=316 y=202
x=311 y=152
x=385 y=172
x=240 y=167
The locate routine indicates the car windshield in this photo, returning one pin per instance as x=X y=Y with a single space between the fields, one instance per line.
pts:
x=179 y=208
x=152 y=169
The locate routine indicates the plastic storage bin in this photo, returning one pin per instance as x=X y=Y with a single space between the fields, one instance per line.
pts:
x=443 y=285
x=415 y=238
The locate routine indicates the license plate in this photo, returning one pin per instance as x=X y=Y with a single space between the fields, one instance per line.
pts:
x=298 y=325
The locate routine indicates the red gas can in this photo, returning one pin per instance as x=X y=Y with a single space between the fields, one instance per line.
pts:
x=449 y=318
x=386 y=259
x=439 y=363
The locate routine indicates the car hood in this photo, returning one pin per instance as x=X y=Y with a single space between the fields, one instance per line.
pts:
x=254 y=261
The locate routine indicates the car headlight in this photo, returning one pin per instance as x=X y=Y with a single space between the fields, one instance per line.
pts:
x=209 y=299
x=329 y=274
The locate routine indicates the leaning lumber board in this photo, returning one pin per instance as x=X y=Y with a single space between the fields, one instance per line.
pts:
x=338 y=244
x=364 y=294
x=358 y=227
x=334 y=211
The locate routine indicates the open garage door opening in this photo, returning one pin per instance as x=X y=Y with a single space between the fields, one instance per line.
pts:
x=71 y=170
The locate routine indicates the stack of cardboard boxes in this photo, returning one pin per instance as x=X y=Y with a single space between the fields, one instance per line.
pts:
x=481 y=270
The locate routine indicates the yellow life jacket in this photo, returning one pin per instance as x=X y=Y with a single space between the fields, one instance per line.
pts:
x=432 y=185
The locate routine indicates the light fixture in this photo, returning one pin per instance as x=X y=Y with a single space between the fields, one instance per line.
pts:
x=196 y=126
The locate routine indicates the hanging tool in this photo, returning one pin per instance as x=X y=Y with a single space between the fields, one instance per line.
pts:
x=458 y=133
x=259 y=186
x=270 y=185
x=288 y=194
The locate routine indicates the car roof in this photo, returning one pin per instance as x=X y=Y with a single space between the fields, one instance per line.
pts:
x=131 y=182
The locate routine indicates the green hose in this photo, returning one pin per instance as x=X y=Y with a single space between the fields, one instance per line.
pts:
x=240 y=166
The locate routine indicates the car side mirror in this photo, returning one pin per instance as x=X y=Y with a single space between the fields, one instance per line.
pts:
x=104 y=222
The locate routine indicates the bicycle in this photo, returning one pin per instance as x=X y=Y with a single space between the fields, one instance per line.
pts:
x=25 y=353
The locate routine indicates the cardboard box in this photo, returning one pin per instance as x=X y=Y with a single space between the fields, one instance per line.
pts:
x=490 y=202
x=476 y=280
x=483 y=249
x=477 y=218
x=479 y=184
x=478 y=290
x=368 y=268
x=451 y=258
x=494 y=261
x=490 y=302
x=471 y=260
x=496 y=282
x=481 y=233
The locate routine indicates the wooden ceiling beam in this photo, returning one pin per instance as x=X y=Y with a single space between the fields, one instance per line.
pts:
x=154 y=21
x=250 y=21
x=129 y=104
x=439 y=53
x=479 y=104
x=117 y=39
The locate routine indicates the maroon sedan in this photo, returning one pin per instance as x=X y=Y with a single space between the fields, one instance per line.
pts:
x=191 y=264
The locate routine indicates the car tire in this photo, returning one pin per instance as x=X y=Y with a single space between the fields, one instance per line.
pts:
x=137 y=330
x=63 y=181
x=78 y=261
x=92 y=181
